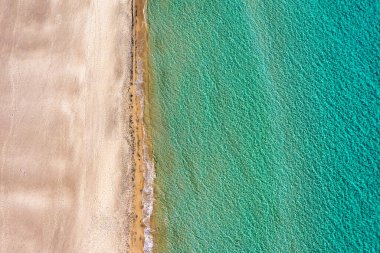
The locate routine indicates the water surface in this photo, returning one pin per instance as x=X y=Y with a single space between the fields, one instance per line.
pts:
x=265 y=125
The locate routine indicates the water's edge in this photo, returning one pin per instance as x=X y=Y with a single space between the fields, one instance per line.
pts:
x=144 y=164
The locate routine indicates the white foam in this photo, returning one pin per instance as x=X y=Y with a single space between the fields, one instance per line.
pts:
x=148 y=166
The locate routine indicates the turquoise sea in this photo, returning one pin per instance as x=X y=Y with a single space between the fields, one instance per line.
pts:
x=265 y=119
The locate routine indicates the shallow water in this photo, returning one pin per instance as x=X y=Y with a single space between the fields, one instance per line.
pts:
x=265 y=125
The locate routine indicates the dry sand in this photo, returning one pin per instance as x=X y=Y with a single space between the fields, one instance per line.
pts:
x=65 y=116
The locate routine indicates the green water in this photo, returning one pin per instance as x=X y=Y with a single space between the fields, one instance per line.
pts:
x=265 y=123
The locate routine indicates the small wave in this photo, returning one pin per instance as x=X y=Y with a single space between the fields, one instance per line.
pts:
x=148 y=166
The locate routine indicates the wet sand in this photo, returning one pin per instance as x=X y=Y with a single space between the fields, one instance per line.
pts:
x=66 y=179
x=141 y=239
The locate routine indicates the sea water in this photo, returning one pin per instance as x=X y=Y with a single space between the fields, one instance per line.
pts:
x=265 y=124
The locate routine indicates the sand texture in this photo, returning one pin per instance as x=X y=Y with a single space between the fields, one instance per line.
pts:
x=66 y=155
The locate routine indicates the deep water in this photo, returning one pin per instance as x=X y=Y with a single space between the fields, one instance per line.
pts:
x=265 y=123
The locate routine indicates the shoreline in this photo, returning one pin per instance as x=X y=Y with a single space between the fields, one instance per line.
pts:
x=141 y=238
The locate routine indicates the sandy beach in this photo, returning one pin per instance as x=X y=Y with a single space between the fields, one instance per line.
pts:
x=66 y=160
